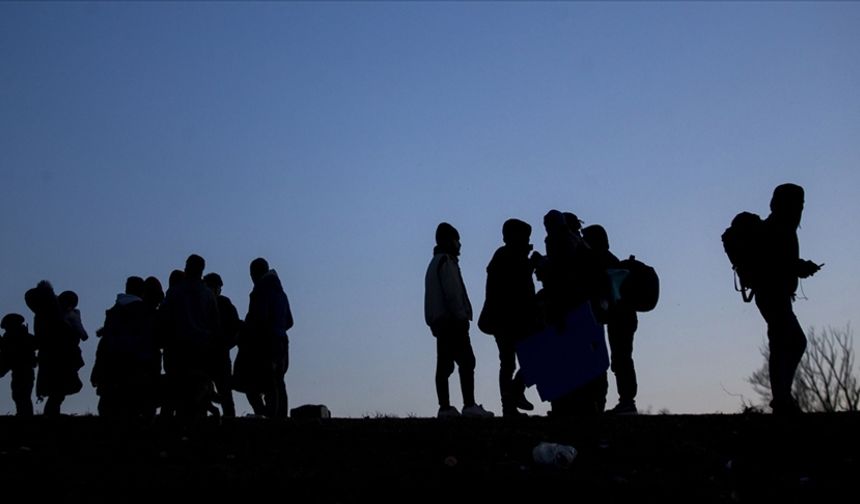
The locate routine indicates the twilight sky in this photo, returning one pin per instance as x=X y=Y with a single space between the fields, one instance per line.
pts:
x=331 y=138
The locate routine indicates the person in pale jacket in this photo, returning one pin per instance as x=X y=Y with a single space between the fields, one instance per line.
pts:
x=447 y=311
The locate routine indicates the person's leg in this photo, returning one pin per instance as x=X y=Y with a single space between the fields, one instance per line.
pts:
x=786 y=344
x=255 y=399
x=22 y=392
x=620 y=334
x=223 y=388
x=465 y=359
x=507 y=366
x=53 y=404
x=444 y=367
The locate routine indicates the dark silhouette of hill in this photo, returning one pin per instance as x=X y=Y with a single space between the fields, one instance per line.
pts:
x=645 y=458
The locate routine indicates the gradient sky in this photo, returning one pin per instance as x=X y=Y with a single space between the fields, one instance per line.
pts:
x=331 y=138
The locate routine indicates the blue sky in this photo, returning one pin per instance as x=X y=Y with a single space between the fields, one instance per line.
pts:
x=331 y=138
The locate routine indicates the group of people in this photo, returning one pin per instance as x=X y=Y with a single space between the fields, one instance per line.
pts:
x=158 y=353
x=170 y=352
x=575 y=270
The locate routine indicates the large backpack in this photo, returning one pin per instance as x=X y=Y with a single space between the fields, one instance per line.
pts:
x=742 y=243
x=641 y=288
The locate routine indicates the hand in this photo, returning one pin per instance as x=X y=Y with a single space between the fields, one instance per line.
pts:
x=808 y=268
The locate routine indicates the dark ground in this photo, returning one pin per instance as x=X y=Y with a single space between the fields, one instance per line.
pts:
x=646 y=458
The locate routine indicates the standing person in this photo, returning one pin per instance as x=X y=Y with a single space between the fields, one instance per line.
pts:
x=190 y=315
x=777 y=282
x=128 y=364
x=264 y=347
x=447 y=311
x=59 y=353
x=621 y=325
x=18 y=355
x=220 y=363
x=509 y=312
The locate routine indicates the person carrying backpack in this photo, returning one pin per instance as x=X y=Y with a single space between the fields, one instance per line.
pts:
x=621 y=326
x=779 y=268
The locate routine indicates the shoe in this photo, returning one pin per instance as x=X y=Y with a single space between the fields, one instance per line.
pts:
x=624 y=408
x=524 y=404
x=448 y=412
x=477 y=411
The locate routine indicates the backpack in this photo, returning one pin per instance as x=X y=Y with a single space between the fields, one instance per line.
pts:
x=742 y=243
x=641 y=288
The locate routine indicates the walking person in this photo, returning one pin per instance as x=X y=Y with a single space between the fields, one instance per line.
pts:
x=776 y=285
x=447 y=311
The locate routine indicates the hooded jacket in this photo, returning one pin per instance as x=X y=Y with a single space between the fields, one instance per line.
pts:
x=445 y=297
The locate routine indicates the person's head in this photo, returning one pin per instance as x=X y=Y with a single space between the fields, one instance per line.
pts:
x=596 y=238
x=214 y=282
x=259 y=267
x=134 y=286
x=153 y=293
x=447 y=238
x=553 y=222
x=176 y=277
x=516 y=232
x=68 y=300
x=11 y=322
x=787 y=203
x=41 y=298
x=572 y=221
x=194 y=266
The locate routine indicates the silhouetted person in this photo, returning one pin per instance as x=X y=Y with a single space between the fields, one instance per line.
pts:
x=18 y=355
x=509 y=312
x=447 y=311
x=153 y=293
x=128 y=365
x=71 y=315
x=621 y=325
x=190 y=315
x=59 y=353
x=264 y=347
x=228 y=337
x=571 y=276
x=775 y=291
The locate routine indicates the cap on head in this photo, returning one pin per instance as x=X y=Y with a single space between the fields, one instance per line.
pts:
x=11 y=321
x=516 y=231
x=446 y=233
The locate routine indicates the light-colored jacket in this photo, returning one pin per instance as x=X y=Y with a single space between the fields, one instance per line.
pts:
x=445 y=295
